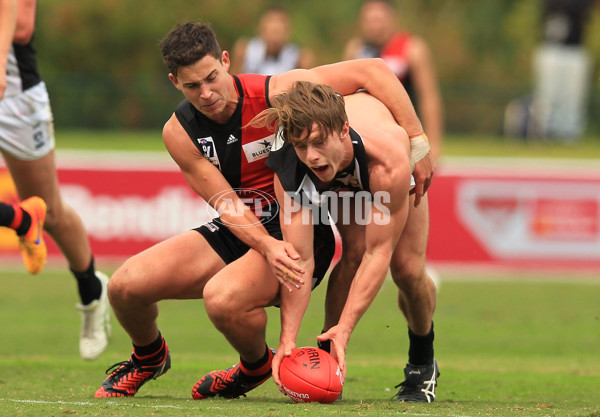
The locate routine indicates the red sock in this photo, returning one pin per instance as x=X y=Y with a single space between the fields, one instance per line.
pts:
x=259 y=368
x=18 y=217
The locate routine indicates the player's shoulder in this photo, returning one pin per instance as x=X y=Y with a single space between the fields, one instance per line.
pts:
x=172 y=128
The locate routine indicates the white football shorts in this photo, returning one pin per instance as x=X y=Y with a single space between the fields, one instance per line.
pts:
x=26 y=124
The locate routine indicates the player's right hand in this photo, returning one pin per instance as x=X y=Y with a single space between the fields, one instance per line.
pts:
x=284 y=349
x=283 y=259
x=423 y=175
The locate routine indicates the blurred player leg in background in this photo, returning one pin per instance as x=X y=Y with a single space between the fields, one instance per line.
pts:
x=27 y=220
x=27 y=144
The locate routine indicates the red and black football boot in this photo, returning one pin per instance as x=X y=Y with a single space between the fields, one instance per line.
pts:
x=228 y=383
x=129 y=376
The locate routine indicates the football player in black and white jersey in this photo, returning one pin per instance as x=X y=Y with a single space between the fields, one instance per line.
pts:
x=325 y=159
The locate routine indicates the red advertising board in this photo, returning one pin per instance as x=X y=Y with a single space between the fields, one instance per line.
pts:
x=516 y=213
x=491 y=213
x=127 y=201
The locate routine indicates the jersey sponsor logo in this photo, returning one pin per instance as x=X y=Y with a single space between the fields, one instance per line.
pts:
x=232 y=139
x=259 y=149
x=207 y=146
x=211 y=226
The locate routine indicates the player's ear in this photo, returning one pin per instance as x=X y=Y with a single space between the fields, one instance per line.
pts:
x=345 y=131
x=225 y=60
x=174 y=81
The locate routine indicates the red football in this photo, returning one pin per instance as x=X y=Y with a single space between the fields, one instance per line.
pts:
x=310 y=374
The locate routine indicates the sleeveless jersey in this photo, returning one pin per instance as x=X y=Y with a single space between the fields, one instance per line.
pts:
x=256 y=60
x=395 y=55
x=21 y=69
x=238 y=152
x=302 y=185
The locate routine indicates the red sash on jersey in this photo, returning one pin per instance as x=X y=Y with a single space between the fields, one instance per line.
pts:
x=395 y=54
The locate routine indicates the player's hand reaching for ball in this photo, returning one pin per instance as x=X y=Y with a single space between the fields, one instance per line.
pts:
x=339 y=338
x=284 y=349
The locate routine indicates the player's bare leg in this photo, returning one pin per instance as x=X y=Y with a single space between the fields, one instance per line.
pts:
x=39 y=178
x=235 y=300
x=169 y=270
x=417 y=295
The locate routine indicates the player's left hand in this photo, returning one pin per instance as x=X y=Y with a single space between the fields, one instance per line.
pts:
x=284 y=349
x=339 y=340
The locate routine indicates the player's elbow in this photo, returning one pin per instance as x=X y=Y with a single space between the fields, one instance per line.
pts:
x=23 y=35
x=377 y=67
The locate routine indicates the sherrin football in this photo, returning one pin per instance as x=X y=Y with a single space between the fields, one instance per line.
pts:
x=310 y=375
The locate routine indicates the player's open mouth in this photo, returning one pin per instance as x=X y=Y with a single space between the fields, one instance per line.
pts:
x=320 y=169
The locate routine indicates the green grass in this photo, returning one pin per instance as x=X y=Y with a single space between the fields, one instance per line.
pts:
x=509 y=347
x=454 y=145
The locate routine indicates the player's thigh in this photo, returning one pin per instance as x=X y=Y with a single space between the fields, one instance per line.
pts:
x=351 y=219
x=177 y=268
x=409 y=255
x=246 y=283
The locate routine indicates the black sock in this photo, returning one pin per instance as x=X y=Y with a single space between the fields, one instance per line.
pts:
x=88 y=284
x=7 y=214
x=326 y=345
x=152 y=354
x=420 y=351
x=25 y=224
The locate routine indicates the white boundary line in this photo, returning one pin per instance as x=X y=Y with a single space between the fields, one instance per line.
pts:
x=106 y=403
x=138 y=405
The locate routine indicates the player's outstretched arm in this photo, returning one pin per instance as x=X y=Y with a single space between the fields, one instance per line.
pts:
x=373 y=75
x=347 y=77
x=389 y=212
x=298 y=231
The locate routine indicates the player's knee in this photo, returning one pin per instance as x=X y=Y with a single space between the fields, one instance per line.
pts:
x=407 y=274
x=123 y=287
x=54 y=219
x=219 y=303
x=350 y=260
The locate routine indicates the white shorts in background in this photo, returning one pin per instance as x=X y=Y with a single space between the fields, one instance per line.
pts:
x=26 y=124
x=562 y=85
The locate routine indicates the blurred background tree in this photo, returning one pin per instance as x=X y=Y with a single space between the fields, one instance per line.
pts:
x=103 y=67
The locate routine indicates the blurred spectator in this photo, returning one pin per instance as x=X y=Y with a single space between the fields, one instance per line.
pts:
x=408 y=56
x=562 y=70
x=271 y=52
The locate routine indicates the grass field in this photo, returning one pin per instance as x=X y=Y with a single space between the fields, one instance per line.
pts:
x=507 y=346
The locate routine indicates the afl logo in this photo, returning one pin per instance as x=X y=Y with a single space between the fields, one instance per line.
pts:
x=232 y=206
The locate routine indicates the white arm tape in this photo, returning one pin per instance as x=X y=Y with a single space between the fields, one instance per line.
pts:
x=419 y=148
